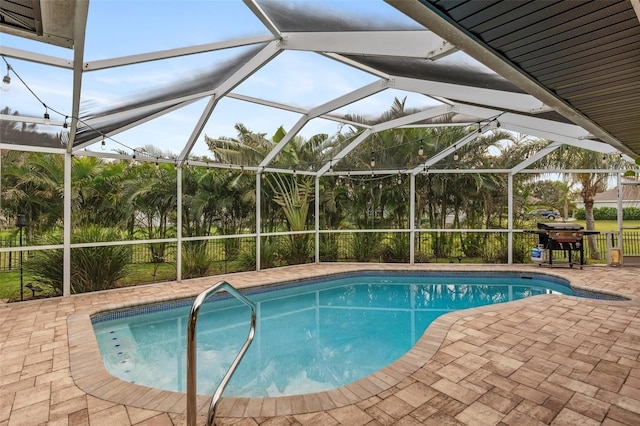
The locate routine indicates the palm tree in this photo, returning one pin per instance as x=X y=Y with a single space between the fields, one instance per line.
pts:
x=589 y=184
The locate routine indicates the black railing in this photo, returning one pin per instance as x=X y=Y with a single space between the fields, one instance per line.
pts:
x=437 y=246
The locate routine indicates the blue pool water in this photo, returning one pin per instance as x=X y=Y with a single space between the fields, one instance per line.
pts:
x=309 y=337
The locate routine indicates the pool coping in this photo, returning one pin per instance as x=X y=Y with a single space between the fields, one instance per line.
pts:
x=90 y=375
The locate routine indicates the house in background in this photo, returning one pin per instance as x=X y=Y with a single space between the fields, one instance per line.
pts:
x=609 y=198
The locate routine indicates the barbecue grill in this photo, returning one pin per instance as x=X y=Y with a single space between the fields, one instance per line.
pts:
x=561 y=236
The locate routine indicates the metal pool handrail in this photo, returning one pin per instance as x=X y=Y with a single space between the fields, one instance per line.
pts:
x=191 y=351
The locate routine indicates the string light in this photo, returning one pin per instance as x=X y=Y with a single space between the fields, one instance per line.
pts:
x=157 y=164
x=47 y=118
x=47 y=121
x=6 y=80
x=373 y=161
x=295 y=172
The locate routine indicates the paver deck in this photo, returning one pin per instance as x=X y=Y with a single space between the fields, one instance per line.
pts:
x=549 y=359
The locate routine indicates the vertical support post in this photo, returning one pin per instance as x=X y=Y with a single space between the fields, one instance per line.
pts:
x=66 y=263
x=620 y=215
x=510 y=219
x=179 y=225
x=21 y=222
x=21 y=277
x=258 y=217
x=412 y=218
x=317 y=220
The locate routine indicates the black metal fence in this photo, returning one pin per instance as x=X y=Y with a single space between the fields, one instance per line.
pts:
x=450 y=247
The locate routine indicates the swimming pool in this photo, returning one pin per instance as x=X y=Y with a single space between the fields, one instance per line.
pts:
x=311 y=336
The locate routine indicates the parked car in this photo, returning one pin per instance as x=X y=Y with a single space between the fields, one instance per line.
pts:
x=546 y=214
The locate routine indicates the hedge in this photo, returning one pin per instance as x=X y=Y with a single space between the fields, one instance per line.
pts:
x=611 y=213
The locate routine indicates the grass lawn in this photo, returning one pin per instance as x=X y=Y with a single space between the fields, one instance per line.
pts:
x=10 y=287
x=139 y=273
x=612 y=225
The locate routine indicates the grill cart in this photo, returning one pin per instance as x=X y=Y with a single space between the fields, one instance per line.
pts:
x=559 y=236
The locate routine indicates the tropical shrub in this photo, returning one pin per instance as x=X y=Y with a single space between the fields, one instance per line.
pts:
x=196 y=261
x=365 y=246
x=268 y=255
x=397 y=248
x=92 y=268
x=296 y=249
x=328 y=248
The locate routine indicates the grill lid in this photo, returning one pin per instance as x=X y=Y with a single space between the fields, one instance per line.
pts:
x=560 y=226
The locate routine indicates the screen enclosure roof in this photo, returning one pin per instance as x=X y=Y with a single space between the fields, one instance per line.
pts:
x=566 y=71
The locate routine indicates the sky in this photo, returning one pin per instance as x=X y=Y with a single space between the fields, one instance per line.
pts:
x=118 y=28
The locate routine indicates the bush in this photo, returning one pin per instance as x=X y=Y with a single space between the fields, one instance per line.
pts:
x=610 y=213
x=268 y=255
x=296 y=249
x=328 y=248
x=196 y=262
x=92 y=268
x=631 y=213
x=397 y=248
x=364 y=246
x=605 y=213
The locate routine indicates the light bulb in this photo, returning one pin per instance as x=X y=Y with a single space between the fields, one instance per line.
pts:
x=6 y=80
x=421 y=150
x=373 y=162
x=455 y=156
x=47 y=119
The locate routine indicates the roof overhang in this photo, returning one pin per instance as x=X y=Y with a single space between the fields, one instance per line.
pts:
x=607 y=114
x=48 y=21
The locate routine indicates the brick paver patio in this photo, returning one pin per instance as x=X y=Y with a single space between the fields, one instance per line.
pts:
x=545 y=360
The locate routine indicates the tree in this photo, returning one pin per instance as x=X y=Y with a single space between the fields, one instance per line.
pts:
x=589 y=184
